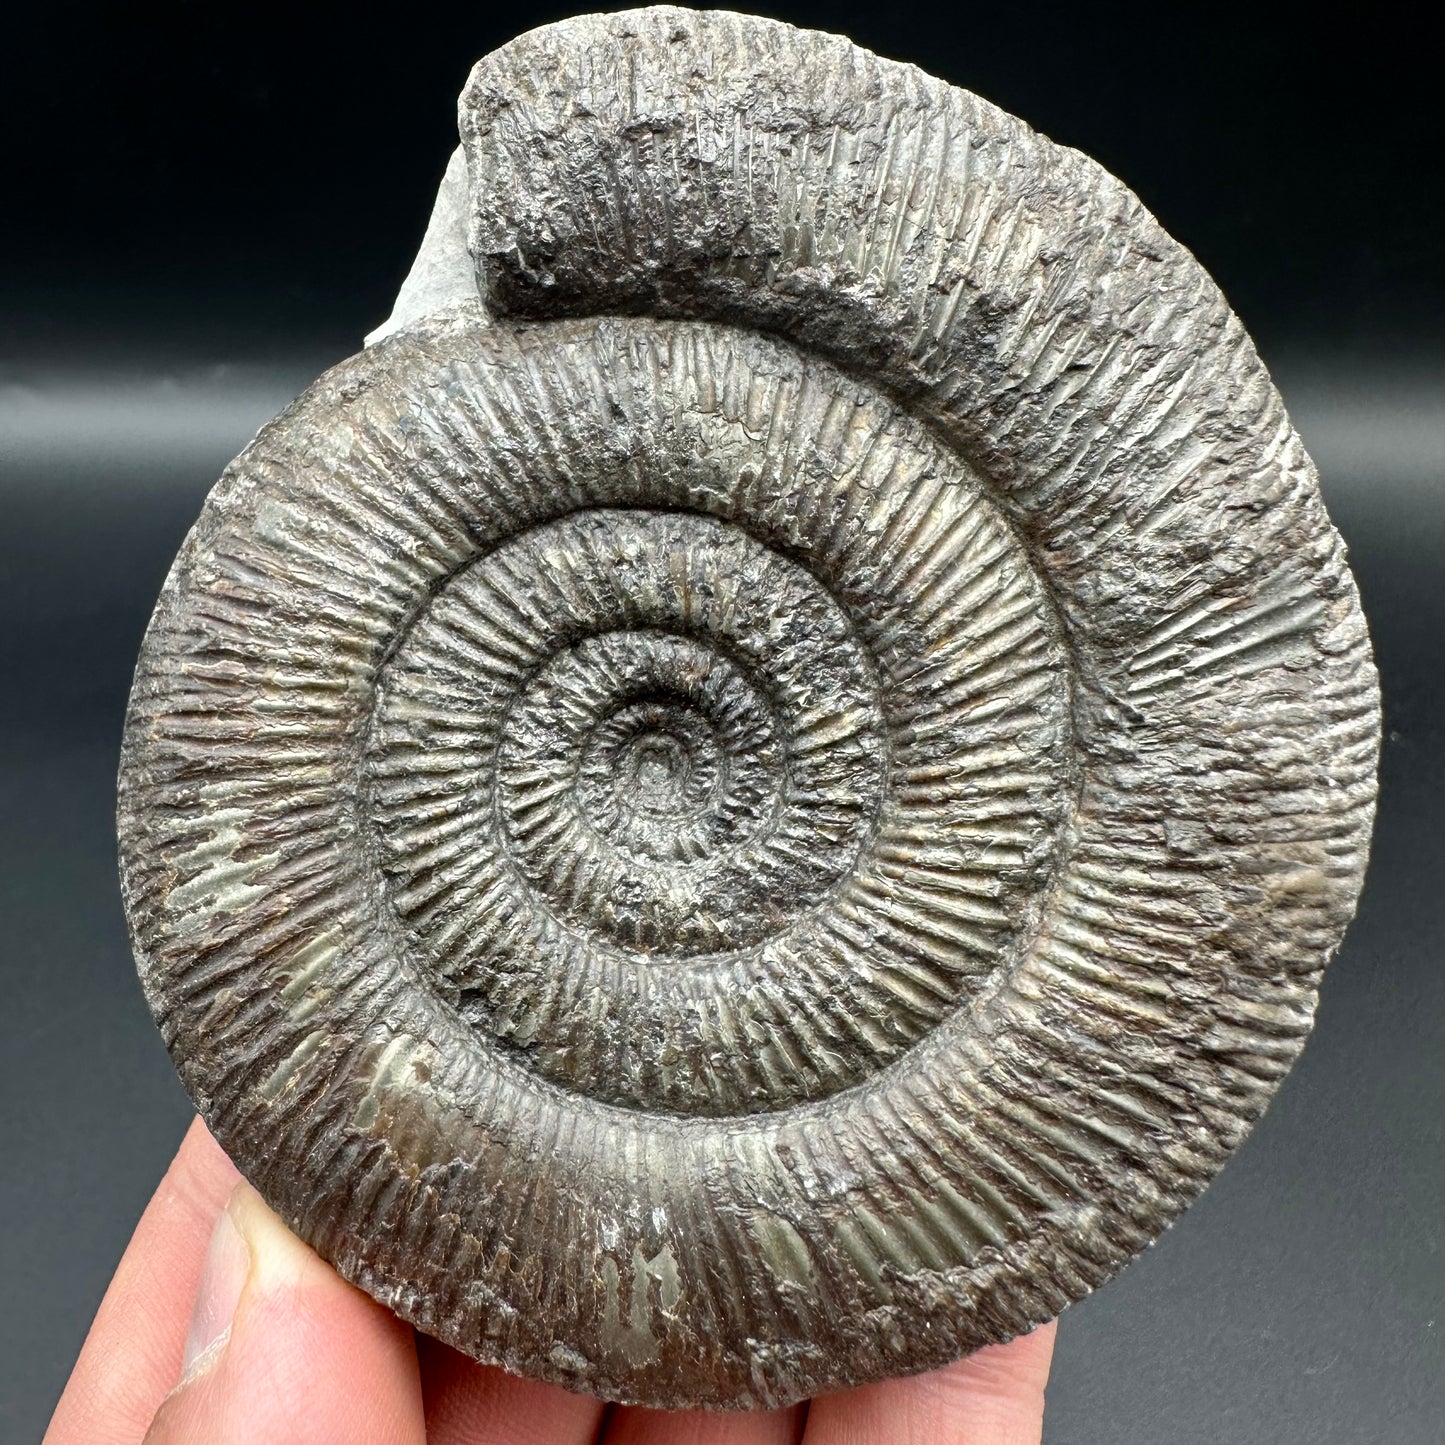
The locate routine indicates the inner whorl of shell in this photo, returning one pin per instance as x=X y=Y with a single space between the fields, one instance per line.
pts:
x=713 y=816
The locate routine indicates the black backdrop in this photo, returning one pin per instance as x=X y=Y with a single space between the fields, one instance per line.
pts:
x=219 y=175
x=203 y=205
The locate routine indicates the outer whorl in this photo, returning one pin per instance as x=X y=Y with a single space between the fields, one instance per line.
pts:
x=761 y=803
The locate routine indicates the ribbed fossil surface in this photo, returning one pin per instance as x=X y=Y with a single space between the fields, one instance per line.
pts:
x=761 y=803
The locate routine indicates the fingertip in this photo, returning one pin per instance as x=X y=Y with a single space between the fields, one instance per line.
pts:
x=1017 y=1368
x=473 y=1404
x=995 y=1394
x=135 y=1345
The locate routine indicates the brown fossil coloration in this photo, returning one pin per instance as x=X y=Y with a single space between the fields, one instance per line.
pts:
x=756 y=796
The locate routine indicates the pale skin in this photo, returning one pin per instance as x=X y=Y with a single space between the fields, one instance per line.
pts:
x=221 y=1328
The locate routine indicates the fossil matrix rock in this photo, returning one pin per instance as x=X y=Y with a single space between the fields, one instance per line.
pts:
x=755 y=796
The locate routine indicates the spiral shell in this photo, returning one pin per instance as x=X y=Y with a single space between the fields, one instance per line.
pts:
x=761 y=802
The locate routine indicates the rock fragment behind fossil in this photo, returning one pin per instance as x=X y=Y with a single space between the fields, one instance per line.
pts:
x=756 y=795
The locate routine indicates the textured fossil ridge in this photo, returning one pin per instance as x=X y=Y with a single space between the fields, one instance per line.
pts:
x=755 y=796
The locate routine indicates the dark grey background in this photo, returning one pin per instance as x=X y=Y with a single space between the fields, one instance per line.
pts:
x=206 y=206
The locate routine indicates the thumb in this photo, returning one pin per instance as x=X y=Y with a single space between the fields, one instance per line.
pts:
x=282 y=1351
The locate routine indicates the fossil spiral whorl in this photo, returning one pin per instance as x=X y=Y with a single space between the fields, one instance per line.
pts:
x=760 y=803
x=716 y=809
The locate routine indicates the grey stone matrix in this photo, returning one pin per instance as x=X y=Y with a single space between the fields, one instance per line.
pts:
x=760 y=802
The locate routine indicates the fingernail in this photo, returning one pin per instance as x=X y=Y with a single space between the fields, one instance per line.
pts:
x=223 y=1277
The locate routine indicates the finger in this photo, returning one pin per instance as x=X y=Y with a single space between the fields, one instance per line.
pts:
x=132 y=1354
x=472 y=1404
x=283 y=1350
x=993 y=1397
x=699 y=1427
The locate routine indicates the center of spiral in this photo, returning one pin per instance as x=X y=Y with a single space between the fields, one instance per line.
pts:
x=658 y=768
x=654 y=827
x=648 y=777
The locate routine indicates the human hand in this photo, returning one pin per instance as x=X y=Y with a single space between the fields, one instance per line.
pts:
x=272 y=1347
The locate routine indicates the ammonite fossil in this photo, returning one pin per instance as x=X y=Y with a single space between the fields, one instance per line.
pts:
x=756 y=795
